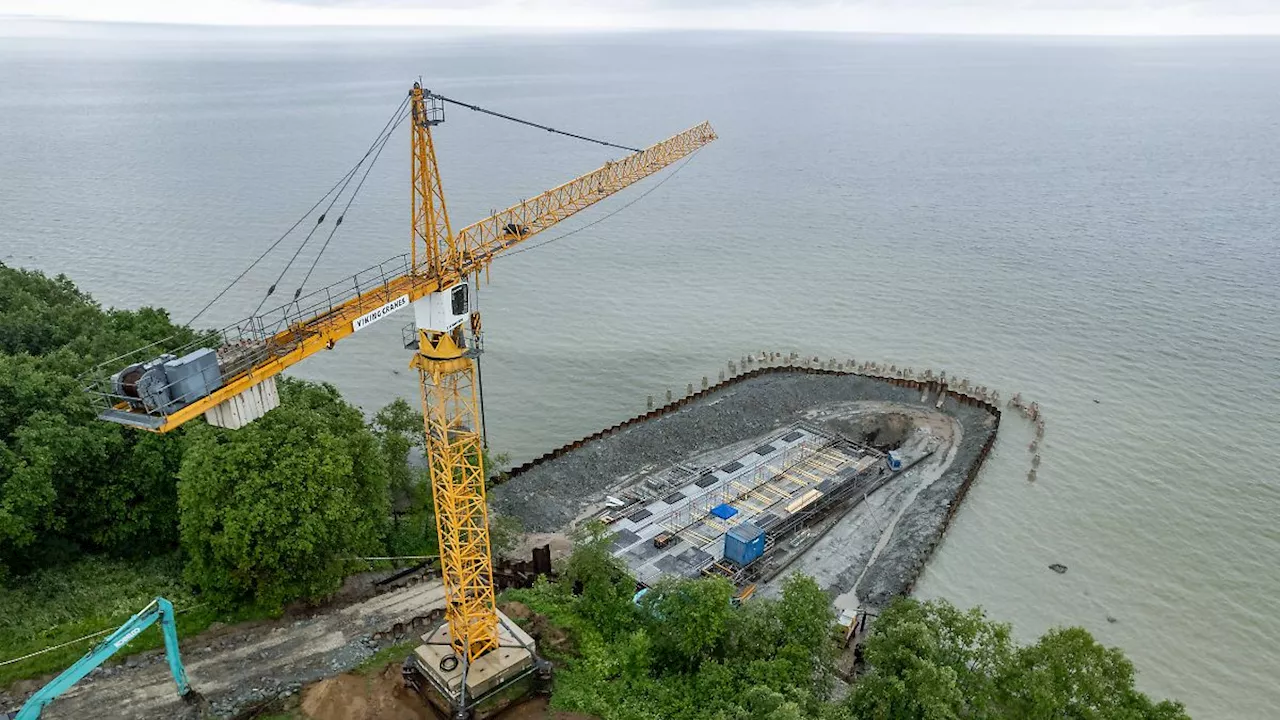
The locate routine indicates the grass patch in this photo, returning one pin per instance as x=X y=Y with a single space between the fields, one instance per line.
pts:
x=55 y=605
x=386 y=656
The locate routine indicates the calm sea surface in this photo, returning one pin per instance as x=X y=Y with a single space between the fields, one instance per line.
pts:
x=1092 y=223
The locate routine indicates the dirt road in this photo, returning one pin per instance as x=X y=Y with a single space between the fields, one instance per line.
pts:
x=241 y=666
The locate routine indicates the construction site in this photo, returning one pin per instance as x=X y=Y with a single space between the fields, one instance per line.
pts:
x=801 y=452
x=845 y=477
x=846 y=473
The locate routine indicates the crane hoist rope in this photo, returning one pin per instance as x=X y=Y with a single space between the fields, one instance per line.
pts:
x=229 y=376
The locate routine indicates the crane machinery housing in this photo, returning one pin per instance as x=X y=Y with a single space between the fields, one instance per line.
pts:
x=228 y=377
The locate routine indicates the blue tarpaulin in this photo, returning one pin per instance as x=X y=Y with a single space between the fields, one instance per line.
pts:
x=724 y=512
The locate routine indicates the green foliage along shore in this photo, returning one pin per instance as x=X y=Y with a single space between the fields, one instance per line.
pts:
x=273 y=511
x=686 y=653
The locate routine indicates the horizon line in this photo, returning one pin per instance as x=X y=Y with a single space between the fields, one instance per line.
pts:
x=604 y=28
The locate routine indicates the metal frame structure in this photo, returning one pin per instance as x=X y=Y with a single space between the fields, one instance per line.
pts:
x=255 y=350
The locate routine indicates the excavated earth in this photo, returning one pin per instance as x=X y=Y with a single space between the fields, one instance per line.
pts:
x=870 y=554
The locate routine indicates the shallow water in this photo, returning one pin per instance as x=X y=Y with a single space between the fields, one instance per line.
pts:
x=1089 y=222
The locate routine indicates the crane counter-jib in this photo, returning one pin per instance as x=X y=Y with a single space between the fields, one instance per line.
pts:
x=161 y=393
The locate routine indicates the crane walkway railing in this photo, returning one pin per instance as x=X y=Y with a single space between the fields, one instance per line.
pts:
x=257 y=339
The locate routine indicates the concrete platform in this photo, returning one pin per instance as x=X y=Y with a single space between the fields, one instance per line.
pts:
x=487 y=676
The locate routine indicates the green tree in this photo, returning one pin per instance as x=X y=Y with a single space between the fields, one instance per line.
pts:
x=690 y=620
x=604 y=589
x=505 y=532
x=1067 y=675
x=932 y=661
x=273 y=512
x=412 y=529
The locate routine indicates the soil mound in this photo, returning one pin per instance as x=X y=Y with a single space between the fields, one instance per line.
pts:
x=355 y=697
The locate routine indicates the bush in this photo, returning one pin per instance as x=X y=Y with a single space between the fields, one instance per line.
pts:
x=274 y=511
x=931 y=660
x=686 y=653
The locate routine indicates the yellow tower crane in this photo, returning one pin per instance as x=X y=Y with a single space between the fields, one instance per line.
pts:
x=229 y=377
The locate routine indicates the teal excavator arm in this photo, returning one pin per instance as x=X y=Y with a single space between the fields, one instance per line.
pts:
x=159 y=610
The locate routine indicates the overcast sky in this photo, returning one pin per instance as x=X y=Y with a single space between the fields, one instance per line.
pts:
x=1116 y=17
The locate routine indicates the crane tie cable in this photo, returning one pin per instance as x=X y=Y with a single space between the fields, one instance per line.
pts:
x=378 y=144
x=341 y=181
x=479 y=109
x=352 y=198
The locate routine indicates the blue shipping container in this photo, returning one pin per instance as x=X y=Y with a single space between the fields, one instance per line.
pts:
x=743 y=543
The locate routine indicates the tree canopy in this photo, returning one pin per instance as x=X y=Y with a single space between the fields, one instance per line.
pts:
x=274 y=511
x=685 y=652
x=67 y=482
x=931 y=660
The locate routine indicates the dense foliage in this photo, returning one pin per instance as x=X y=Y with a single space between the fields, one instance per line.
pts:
x=68 y=483
x=685 y=653
x=275 y=511
x=931 y=660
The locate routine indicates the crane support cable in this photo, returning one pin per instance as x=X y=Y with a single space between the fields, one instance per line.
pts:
x=532 y=124
x=90 y=636
x=601 y=219
x=354 y=169
x=351 y=199
x=377 y=144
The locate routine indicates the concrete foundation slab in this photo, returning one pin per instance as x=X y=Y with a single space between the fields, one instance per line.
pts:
x=487 y=676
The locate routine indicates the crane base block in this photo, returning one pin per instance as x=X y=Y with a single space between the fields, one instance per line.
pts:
x=495 y=681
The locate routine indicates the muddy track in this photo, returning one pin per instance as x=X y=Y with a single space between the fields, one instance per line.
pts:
x=244 y=666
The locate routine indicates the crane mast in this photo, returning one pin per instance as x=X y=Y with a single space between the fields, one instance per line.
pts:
x=445 y=360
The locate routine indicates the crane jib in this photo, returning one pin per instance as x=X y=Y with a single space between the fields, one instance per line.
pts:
x=253 y=350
